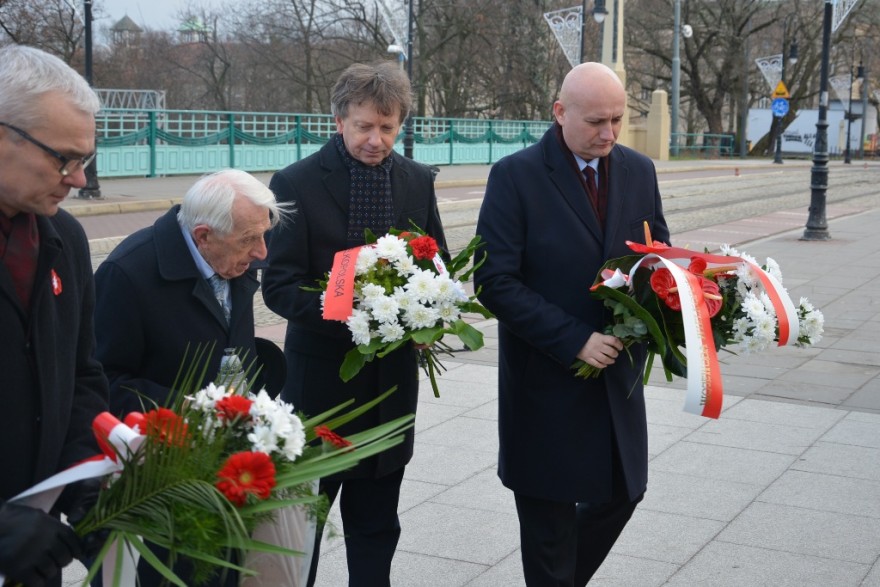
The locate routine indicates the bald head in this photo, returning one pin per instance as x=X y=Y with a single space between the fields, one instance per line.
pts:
x=590 y=109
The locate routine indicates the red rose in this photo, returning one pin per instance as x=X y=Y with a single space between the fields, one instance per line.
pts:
x=246 y=473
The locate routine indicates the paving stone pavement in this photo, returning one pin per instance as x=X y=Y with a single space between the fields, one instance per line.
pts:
x=782 y=490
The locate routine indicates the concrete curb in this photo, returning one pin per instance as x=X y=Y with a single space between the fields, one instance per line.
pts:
x=102 y=208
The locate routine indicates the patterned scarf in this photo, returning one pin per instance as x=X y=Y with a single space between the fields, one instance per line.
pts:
x=370 y=204
x=19 y=250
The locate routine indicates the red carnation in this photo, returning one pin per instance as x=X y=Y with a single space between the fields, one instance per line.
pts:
x=246 y=473
x=424 y=247
x=234 y=407
x=328 y=435
x=164 y=425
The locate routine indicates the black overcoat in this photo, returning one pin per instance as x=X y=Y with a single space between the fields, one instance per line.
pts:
x=51 y=385
x=545 y=246
x=300 y=253
x=152 y=304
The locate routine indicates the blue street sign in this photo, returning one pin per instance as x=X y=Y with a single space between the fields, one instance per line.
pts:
x=779 y=107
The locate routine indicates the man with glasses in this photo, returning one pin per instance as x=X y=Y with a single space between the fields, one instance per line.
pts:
x=52 y=386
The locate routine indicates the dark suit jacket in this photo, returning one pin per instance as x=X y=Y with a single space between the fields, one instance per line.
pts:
x=52 y=386
x=152 y=303
x=300 y=253
x=545 y=246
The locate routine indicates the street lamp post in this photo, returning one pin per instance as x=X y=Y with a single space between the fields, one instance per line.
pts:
x=792 y=57
x=849 y=115
x=92 y=189
x=817 y=224
x=599 y=14
x=676 y=76
x=863 y=73
x=409 y=133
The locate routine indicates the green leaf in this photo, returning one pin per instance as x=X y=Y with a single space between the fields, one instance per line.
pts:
x=427 y=335
x=353 y=363
x=470 y=336
x=635 y=309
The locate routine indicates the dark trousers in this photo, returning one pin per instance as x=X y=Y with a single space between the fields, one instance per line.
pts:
x=564 y=543
x=370 y=525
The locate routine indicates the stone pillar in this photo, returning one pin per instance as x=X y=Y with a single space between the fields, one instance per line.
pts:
x=657 y=141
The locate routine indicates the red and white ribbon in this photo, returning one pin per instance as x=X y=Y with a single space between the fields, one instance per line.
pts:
x=115 y=438
x=704 y=385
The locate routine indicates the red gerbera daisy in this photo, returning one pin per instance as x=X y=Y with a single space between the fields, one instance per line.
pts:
x=246 y=473
x=234 y=407
x=328 y=435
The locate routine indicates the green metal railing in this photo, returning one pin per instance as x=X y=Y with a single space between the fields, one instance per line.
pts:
x=703 y=144
x=171 y=142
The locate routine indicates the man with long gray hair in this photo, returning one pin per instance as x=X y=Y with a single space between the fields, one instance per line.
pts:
x=52 y=385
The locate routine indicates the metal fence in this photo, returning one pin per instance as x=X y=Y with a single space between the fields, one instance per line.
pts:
x=703 y=144
x=176 y=142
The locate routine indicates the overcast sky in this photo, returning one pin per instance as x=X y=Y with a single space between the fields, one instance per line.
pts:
x=155 y=14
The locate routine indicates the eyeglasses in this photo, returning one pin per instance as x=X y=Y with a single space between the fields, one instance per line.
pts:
x=68 y=165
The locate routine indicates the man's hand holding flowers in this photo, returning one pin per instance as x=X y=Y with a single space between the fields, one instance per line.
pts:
x=600 y=350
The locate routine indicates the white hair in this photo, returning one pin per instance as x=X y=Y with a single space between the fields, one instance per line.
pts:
x=28 y=74
x=209 y=200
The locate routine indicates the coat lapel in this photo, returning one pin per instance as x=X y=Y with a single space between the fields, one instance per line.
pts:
x=617 y=190
x=337 y=179
x=568 y=184
x=176 y=264
x=400 y=190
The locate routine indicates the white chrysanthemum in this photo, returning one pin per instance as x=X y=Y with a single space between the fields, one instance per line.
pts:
x=262 y=404
x=805 y=305
x=391 y=331
x=385 y=309
x=446 y=291
x=391 y=247
x=772 y=267
x=366 y=260
x=768 y=303
x=423 y=286
x=448 y=312
x=405 y=299
x=370 y=291
x=295 y=440
x=420 y=316
x=263 y=439
x=746 y=278
x=753 y=345
x=765 y=328
x=359 y=326
x=206 y=398
x=405 y=265
x=752 y=305
x=728 y=251
x=811 y=323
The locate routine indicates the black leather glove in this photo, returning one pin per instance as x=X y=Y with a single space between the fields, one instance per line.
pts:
x=34 y=546
x=77 y=501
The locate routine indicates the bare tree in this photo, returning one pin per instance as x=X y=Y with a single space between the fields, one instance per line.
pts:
x=51 y=25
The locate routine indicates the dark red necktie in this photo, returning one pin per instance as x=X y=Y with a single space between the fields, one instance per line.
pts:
x=592 y=190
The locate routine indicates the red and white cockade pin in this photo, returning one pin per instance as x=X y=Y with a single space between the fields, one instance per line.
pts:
x=56 y=283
